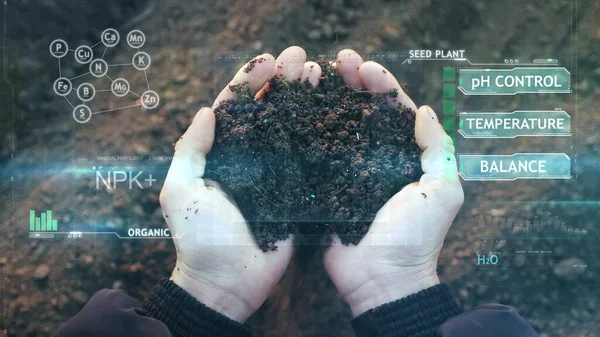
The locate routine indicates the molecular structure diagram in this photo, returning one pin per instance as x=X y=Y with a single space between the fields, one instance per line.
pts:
x=98 y=67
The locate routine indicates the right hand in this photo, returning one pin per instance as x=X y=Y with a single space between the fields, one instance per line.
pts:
x=218 y=260
x=398 y=256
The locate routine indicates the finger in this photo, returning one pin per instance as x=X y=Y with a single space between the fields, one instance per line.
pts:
x=348 y=63
x=284 y=250
x=335 y=240
x=189 y=159
x=428 y=130
x=339 y=252
x=311 y=73
x=438 y=161
x=379 y=80
x=290 y=63
x=337 y=248
x=214 y=185
x=200 y=135
x=256 y=73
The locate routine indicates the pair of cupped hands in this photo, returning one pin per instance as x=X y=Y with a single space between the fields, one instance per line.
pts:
x=218 y=260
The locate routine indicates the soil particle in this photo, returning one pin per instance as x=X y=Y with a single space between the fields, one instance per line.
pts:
x=312 y=161
x=252 y=63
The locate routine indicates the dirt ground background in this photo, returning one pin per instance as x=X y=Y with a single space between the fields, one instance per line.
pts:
x=196 y=47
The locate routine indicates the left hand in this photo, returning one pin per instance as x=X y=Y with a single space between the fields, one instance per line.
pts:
x=218 y=260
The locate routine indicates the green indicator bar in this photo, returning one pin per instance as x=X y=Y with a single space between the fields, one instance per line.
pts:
x=449 y=74
x=449 y=90
x=37 y=224
x=49 y=220
x=516 y=166
x=32 y=220
x=55 y=225
x=449 y=124
x=43 y=221
x=449 y=108
x=532 y=80
x=514 y=124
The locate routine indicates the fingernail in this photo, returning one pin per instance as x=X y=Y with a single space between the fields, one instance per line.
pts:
x=431 y=113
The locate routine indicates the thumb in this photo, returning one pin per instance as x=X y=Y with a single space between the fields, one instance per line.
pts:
x=189 y=161
x=334 y=254
x=438 y=160
x=277 y=261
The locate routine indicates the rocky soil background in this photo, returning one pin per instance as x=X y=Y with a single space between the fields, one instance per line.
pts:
x=553 y=282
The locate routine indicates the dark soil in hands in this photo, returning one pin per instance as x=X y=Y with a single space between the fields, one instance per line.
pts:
x=312 y=161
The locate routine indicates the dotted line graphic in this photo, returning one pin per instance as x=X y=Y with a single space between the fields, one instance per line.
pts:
x=98 y=68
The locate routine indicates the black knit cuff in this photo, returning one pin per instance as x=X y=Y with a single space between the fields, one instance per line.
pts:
x=417 y=315
x=185 y=316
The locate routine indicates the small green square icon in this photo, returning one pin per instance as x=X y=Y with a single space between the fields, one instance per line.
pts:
x=449 y=90
x=449 y=124
x=449 y=74
x=449 y=108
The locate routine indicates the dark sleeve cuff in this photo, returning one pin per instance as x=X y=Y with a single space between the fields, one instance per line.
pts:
x=186 y=316
x=417 y=315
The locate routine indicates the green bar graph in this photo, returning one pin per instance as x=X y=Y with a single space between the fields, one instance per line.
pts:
x=449 y=108
x=31 y=220
x=449 y=74
x=44 y=222
x=449 y=90
x=449 y=124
